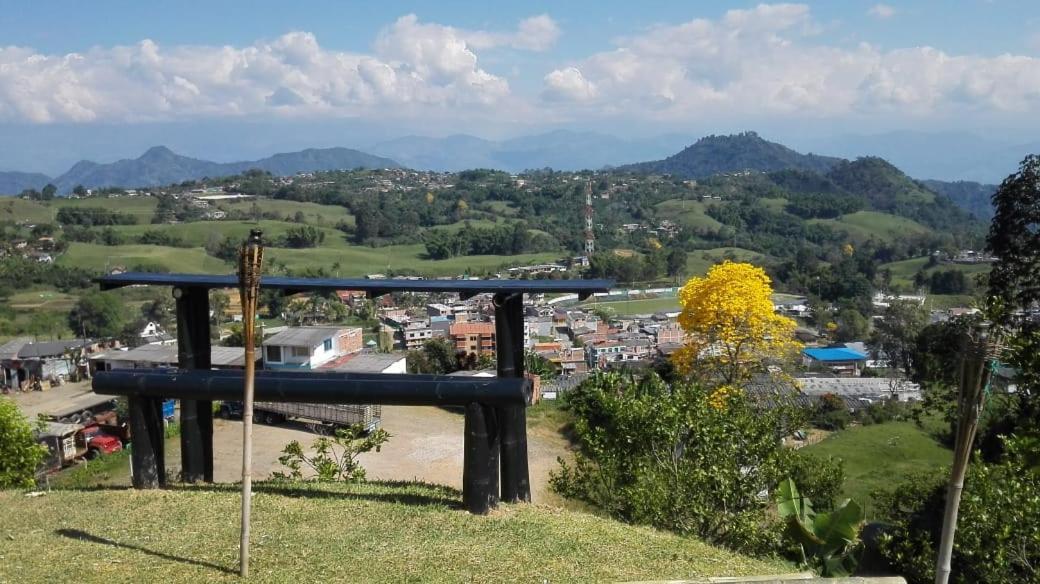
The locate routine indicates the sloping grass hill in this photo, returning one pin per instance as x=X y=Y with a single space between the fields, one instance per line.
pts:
x=862 y=225
x=375 y=532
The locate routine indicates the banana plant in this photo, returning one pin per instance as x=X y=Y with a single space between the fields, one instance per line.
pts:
x=826 y=540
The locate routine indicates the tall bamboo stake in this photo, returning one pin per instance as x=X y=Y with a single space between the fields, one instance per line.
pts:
x=978 y=351
x=249 y=266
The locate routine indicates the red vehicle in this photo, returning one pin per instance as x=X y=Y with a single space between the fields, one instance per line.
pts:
x=102 y=439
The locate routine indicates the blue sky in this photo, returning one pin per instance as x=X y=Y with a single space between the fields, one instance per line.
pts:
x=505 y=69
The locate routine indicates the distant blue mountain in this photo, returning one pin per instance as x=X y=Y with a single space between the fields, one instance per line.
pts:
x=161 y=166
x=560 y=150
x=12 y=183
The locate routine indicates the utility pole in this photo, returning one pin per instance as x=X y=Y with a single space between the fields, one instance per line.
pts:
x=249 y=268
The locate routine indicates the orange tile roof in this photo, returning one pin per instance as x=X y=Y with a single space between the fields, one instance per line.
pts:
x=472 y=328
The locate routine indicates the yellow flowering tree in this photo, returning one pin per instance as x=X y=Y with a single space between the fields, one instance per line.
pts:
x=732 y=331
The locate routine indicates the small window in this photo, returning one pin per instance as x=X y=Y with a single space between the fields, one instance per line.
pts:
x=301 y=352
x=274 y=353
x=328 y=344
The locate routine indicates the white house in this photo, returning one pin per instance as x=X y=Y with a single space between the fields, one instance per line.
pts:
x=310 y=347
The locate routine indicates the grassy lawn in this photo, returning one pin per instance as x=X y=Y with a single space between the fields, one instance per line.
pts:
x=49 y=300
x=687 y=212
x=699 y=262
x=374 y=532
x=142 y=208
x=644 y=306
x=881 y=455
x=15 y=209
x=314 y=213
x=903 y=272
x=99 y=257
x=862 y=225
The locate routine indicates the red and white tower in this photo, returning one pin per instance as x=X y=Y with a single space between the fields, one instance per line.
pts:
x=590 y=239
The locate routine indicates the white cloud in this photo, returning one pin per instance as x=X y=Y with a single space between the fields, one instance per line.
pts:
x=537 y=33
x=413 y=65
x=568 y=84
x=882 y=11
x=761 y=62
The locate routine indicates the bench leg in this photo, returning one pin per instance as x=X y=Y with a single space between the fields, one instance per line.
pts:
x=196 y=441
x=147 y=454
x=480 y=460
x=516 y=481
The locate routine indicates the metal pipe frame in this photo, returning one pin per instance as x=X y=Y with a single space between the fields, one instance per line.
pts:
x=194 y=353
x=343 y=388
x=512 y=418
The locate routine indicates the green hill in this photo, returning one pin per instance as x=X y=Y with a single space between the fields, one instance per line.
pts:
x=862 y=225
x=879 y=182
x=374 y=532
x=686 y=212
x=735 y=153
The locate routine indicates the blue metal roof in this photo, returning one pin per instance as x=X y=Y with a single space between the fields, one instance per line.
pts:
x=374 y=287
x=835 y=354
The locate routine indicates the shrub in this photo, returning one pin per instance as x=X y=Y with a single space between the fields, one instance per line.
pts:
x=334 y=458
x=20 y=455
x=680 y=456
x=998 y=530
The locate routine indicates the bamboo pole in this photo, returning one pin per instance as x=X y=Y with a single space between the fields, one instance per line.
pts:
x=250 y=263
x=977 y=353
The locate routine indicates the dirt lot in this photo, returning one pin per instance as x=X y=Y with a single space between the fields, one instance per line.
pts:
x=426 y=443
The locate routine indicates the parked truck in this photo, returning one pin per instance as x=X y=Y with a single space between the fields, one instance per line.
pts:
x=322 y=418
x=66 y=443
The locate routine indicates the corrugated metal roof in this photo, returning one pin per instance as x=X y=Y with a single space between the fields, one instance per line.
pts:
x=835 y=354
x=9 y=350
x=303 y=336
x=51 y=348
x=167 y=355
x=369 y=362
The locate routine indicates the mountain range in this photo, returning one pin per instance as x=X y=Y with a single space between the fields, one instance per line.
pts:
x=559 y=150
x=710 y=155
x=161 y=166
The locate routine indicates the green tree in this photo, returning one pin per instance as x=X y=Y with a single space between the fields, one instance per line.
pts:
x=48 y=193
x=1014 y=238
x=896 y=333
x=20 y=455
x=98 y=315
x=852 y=326
x=675 y=262
x=218 y=305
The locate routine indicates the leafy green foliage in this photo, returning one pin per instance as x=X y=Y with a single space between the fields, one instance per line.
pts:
x=680 y=457
x=826 y=541
x=93 y=216
x=505 y=240
x=20 y=455
x=1014 y=237
x=998 y=530
x=98 y=315
x=334 y=457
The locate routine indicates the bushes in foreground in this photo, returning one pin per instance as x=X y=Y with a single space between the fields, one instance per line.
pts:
x=998 y=531
x=686 y=458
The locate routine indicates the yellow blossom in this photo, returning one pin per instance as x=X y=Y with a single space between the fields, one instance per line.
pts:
x=732 y=330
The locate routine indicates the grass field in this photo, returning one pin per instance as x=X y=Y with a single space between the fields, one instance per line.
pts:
x=862 y=225
x=880 y=455
x=314 y=213
x=199 y=232
x=15 y=209
x=687 y=212
x=341 y=258
x=374 y=532
x=101 y=257
x=629 y=307
x=903 y=272
x=698 y=262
